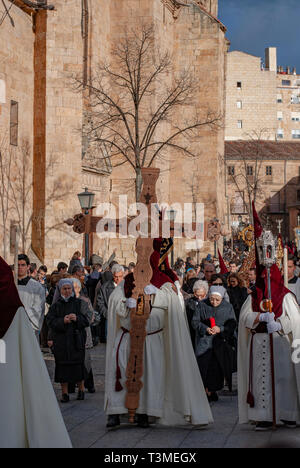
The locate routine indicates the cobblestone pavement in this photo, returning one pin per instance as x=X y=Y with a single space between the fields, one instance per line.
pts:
x=86 y=423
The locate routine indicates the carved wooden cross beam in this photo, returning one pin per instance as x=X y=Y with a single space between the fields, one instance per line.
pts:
x=30 y=7
x=139 y=317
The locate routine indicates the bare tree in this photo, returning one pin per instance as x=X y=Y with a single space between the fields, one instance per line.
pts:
x=137 y=106
x=247 y=176
x=20 y=193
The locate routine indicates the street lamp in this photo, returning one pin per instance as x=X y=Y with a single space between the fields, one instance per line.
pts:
x=86 y=200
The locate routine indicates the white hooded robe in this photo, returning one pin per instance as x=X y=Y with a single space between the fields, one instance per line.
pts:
x=173 y=390
x=29 y=413
x=287 y=373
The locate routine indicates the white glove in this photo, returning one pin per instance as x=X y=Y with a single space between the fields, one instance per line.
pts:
x=150 y=289
x=178 y=286
x=273 y=327
x=267 y=317
x=131 y=303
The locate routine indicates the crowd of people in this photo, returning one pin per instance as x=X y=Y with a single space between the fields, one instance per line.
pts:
x=69 y=309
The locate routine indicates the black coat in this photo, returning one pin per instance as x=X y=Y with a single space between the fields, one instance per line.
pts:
x=237 y=298
x=189 y=285
x=91 y=284
x=192 y=305
x=103 y=297
x=225 y=351
x=68 y=340
x=216 y=354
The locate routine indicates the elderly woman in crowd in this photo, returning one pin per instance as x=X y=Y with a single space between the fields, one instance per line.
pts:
x=89 y=381
x=67 y=324
x=214 y=324
x=200 y=290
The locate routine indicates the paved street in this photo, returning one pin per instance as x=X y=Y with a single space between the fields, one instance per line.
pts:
x=86 y=424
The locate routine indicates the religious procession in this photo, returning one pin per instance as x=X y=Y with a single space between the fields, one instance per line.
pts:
x=150 y=229
x=175 y=338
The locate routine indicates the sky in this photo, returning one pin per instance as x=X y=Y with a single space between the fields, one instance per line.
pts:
x=254 y=25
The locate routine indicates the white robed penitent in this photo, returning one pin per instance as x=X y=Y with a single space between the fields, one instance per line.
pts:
x=173 y=390
x=29 y=413
x=287 y=372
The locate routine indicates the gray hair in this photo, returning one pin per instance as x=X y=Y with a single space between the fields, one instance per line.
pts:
x=117 y=269
x=201 y=285
x=76 y=281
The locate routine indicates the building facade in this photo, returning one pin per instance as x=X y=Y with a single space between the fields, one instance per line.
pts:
x=42 y=48
x=269 y=173
x=262 y=99
x=261 y=149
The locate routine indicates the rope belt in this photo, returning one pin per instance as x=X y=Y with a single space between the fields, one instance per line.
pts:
x=250 y=396
x=261 y=328
x=118 y=386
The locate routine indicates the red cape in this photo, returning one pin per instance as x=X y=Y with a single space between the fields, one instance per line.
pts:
x=278 y=291
x=9 y=298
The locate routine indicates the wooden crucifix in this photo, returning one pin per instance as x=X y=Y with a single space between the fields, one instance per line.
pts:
x=142 y=275
x=139 y=317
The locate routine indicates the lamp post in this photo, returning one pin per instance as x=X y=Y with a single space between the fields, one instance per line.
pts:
x=86 y=200
x=172 y=216
x=241 y=226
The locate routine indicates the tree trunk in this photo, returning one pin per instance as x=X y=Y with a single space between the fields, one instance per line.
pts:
x=138 y=183
x=4 y=243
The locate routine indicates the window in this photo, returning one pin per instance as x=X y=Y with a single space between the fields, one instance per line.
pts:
x=239 y=84
x=295 y=116
x=249 y=170
x=240 y=124
x=279 y=115
x=286 y=83
x=279 y=98
x=231 y=170
x=14 y=123
x=295 y=99
x=296 y=134
x=280 y=134
x=239 y=104
x=269 y=170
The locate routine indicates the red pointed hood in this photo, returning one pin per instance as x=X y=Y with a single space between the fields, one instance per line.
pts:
x=9 y=298
x=223 y=267
x=162 y=272
x=278 y=291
